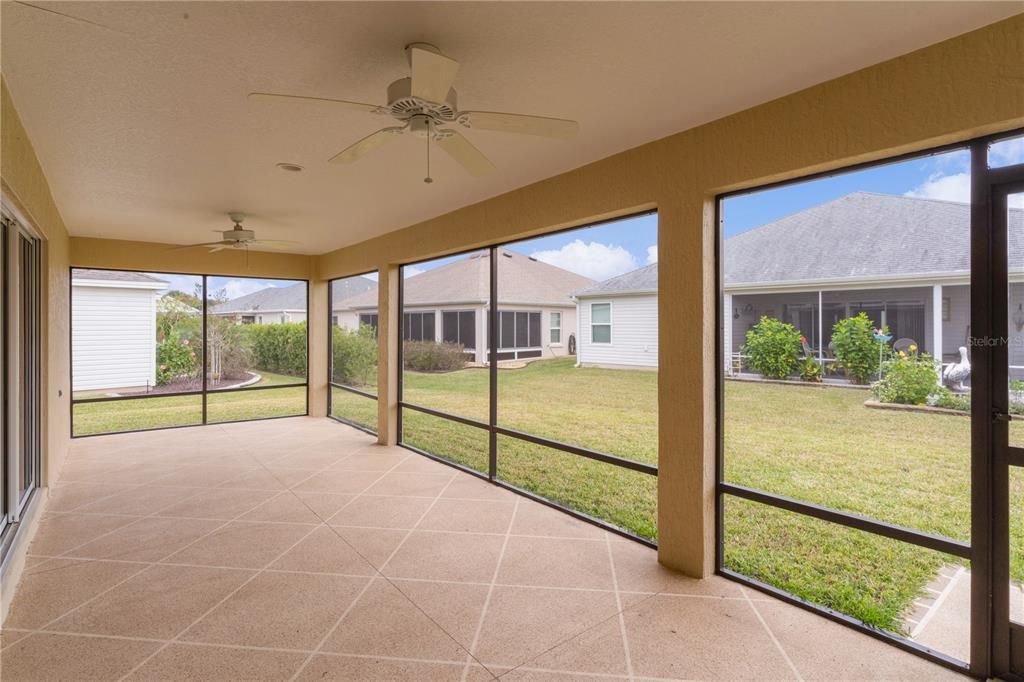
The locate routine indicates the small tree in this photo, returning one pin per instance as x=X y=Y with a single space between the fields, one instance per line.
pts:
x=773 y=348
x=857 y=351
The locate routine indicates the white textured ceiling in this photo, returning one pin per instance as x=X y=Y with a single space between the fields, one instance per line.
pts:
x=145 y=132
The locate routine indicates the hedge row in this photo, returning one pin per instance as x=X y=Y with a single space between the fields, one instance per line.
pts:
x=278 y=348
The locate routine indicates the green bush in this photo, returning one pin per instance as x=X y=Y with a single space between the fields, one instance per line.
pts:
x=354 y=355
x=855 y=346
x=176 y=358
x=945 y=398
x=772 y=348
x=810 y=370
x=428 y=356
x=909 y=379
x=278 y=348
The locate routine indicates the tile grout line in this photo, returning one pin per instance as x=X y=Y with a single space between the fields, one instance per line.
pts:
x=239 y=588
x=198 y=493
x=380 y=572
x=406 y=457
x=618 y=605
x=775 y=640
x=490 y=591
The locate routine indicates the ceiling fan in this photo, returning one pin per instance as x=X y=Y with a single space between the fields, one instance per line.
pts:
x=425 y=105
x=237 y=238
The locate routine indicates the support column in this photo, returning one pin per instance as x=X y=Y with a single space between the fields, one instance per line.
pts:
x=937 y=323
x=388 y=310
x=318 y=321
x=727 y=333
x=821 y=334
x=688 y=371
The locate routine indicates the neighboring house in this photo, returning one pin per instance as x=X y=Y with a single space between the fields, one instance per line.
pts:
x=537 y=315
x=903 y=261
x=619 y=321
x=343 y=289
x=273 y=305
x=113 y=315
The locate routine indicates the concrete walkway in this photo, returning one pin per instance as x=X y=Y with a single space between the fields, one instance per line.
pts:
x=942 y=619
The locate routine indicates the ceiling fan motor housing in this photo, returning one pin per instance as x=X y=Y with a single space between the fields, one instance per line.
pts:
x=404 y=106
x=239 y=235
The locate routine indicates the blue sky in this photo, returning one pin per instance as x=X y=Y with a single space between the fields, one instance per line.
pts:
x=613 y=248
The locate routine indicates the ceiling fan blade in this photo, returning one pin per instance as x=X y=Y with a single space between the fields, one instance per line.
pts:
x=366 y=145
x=273 y=97
x=219 y=248
x=558 y=128
x=274 y=242
x=432 y=74
x=192 y=246
x=463 y=151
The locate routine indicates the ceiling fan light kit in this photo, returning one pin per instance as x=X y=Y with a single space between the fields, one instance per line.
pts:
x=426 y=105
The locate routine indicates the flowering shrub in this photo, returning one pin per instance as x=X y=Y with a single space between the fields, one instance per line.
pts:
x=857 y=351
x=773 y=348
x=176 y=359
x=908 y=378
x=810 y=370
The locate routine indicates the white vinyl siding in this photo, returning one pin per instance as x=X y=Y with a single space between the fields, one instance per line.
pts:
x=113 y=340
x=634 y=333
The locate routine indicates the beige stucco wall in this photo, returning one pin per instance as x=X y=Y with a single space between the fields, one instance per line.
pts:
x=25 y=187
x=955 y=90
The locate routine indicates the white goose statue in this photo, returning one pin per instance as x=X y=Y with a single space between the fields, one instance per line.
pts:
x=955 y=373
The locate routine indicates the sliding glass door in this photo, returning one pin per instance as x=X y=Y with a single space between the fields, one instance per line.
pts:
x=20 y=391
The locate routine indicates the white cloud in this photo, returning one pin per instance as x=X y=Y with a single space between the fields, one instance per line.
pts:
x=234 y=288
x=411 y=271
x=183 y=283
x=652 y=254
x=590 y=259
x=956 y=187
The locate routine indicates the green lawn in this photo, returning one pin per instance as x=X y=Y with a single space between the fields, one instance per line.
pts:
x=159 y=412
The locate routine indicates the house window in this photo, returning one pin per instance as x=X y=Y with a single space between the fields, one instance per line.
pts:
x=418 y=326
x=601 y=322
x=519 y=329
x=248 y=319
x=556 y=327
x=369 y=320
x=334 y=320
x=459 y=327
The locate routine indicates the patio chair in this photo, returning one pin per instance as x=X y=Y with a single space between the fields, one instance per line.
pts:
x=903 y=345
x=808 y=351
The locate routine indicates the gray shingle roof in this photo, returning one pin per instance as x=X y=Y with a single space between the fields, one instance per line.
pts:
x=344 y=289
x=291 y=297
x=644 y=280
x=521 y=280
x=114 y=276
x=861 y=235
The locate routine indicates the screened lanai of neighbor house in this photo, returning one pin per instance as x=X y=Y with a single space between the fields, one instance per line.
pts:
x=511 y=341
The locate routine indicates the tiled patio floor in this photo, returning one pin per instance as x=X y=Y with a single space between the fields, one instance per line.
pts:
x=298 y=549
